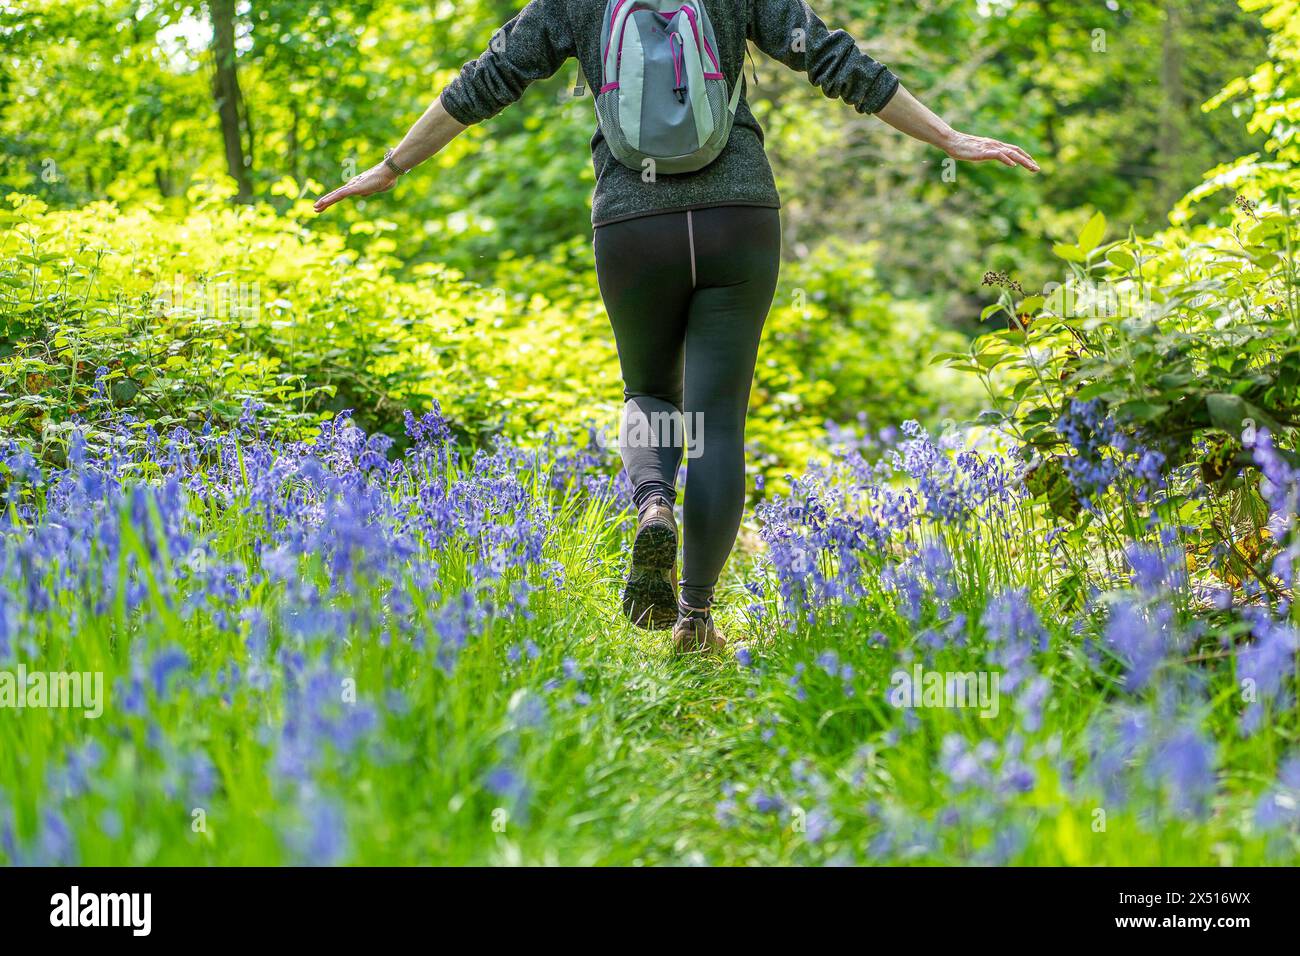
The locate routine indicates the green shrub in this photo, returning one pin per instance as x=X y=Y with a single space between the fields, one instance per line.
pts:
x=193 y=317
x=1185 y=344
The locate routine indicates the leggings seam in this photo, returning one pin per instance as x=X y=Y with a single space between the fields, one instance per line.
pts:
x=690 y=237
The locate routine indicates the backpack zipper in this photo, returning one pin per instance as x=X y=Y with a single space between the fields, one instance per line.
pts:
x=678 y=47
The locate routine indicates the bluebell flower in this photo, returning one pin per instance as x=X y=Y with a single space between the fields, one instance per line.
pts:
x=829 y=662
x=765 y=802
x=1184 y=763
x=165 y=663
x=322 y=838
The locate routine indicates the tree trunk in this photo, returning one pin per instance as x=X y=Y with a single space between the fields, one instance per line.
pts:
x=1047 y=91
x=1172 y=104
x=226 y=94
x=294 y=144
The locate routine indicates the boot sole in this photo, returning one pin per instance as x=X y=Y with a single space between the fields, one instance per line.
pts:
x=649 y=596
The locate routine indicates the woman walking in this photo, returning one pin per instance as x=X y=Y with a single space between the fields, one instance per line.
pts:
x=687 y=235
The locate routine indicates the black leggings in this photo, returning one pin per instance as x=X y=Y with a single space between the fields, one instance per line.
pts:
x=687 y=294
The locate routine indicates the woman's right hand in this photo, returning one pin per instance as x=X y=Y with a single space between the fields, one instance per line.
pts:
x=982 y=149
x=909 y=115
x=376 y=179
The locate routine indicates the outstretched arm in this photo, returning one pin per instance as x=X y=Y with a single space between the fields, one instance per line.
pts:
x=431 y=132
x=909 y=115
x=532 y=46
x=791 y=32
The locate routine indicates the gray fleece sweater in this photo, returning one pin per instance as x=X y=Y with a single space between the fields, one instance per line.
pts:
x=536 y=43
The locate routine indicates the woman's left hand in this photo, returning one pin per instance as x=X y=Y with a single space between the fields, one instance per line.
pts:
x=376 y=179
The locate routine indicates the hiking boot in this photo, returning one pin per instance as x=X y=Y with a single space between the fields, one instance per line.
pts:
x=650 y=594
x=695 y=632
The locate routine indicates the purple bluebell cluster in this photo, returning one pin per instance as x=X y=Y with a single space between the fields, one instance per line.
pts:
x=840 y=524
x=1104 y=455
x=303 y=582
x=338 y=544
x=1281 y=489
x=932 y=542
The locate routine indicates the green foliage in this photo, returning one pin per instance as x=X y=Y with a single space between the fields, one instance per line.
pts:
x=1189 y=340
x=193 y=316
x=1174 y=335
x=1103 y=95
x=838 y=348
x=114 y=102
x=1273 y=89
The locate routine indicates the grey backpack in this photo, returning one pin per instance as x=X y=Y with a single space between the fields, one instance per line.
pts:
x=663 y=97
